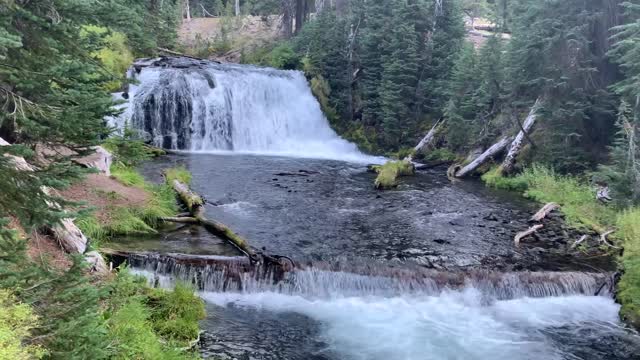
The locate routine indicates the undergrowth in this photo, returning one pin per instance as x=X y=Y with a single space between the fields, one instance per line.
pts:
x=147 y=323
x=583 y=211
x=576 y=197
x=179 y=173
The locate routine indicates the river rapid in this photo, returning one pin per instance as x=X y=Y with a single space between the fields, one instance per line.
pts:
x=327 y=215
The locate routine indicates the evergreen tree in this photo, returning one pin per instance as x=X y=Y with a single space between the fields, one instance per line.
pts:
x=399 y=75
x=375 y=30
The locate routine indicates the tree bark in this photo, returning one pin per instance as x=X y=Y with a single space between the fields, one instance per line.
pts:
x=510 y=160
x=488 y=154
x=287 y=17
x=237 y=7
x=195 y=205
x=426 y=141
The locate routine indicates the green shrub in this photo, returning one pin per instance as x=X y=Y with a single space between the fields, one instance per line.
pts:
x=16 y=322
x=441 y=154
x=176 y=313
x=170 y=315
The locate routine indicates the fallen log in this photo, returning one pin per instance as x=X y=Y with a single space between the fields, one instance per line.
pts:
x=195 y=205
x=523 y=234
x=544 y=212
x=488 y=154
x=510 y=160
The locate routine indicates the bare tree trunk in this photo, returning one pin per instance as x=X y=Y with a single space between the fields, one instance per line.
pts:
x=186 y=10
x=237 y=7
x=488 y=154
x=287 y=17
x=516 y=145
x=426 y=141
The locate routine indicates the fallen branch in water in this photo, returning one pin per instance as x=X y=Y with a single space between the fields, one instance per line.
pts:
x=519 y=236
x=545 y=211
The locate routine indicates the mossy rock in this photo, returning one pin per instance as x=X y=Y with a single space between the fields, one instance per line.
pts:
x=389 y=173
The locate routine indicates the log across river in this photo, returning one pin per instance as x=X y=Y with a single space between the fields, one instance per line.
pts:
x=427 y=271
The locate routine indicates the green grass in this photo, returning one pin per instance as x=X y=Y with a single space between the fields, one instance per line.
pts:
x=146 y=323
x=628 y=225
x=127 y=175
x=576 y=198
x=179 y=173
x=389 y=173
x=133 y=220
x=583 y=211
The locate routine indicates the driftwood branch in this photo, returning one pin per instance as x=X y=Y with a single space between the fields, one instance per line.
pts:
x=544 y=212
x=523 y=234
x=579 y=241
x=603 y=239
x=195 y=205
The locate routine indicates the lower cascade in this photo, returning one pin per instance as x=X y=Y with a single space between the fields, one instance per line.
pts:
x=378 y=313
x=203 y=106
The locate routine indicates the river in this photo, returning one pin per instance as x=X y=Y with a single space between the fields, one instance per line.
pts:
x=355 y=239
x=427 y=271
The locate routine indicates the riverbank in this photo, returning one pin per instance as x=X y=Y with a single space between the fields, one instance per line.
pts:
x=614 y=230
x=116 y=314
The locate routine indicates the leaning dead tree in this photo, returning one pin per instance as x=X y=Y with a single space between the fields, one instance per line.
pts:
x=195 y=206
x=510 y=160
x=426 y=141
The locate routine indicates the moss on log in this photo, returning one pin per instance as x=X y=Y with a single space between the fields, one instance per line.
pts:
x=195 y=205
x=389 y=173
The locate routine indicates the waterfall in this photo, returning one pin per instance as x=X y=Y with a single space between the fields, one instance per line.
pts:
x=220 y=274
x=202 y=106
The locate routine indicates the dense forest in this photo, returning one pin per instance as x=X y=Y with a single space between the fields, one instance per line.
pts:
x=385 y=73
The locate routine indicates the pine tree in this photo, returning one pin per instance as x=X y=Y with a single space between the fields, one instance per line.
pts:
x=375 y=31
x=399 y=75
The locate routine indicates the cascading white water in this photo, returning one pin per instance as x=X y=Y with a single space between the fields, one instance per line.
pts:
x=198 y=106
x=434 y=315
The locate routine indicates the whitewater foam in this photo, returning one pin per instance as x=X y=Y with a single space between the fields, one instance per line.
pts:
x=452 y=325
